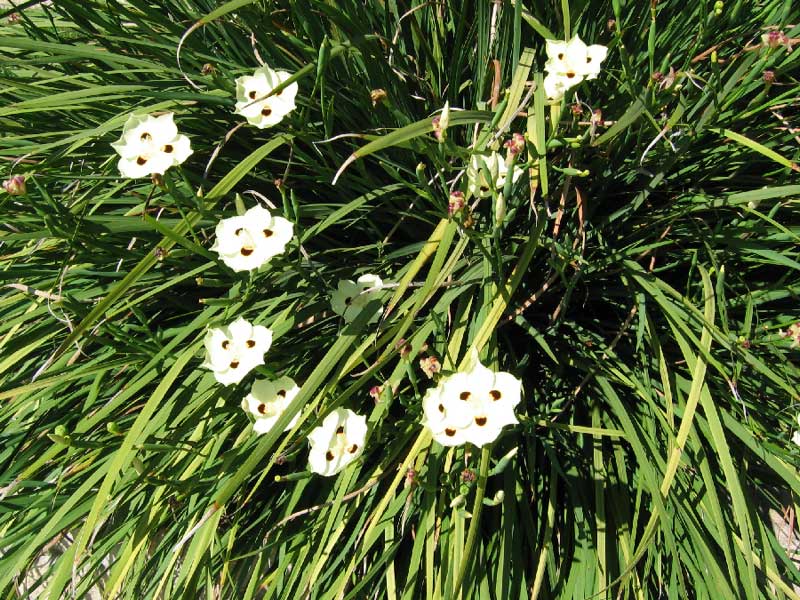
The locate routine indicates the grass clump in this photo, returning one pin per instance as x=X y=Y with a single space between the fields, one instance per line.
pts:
x=639 y=277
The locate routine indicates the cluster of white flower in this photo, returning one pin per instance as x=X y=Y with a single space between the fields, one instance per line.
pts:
x=569 y=63
x=337 y=442
x=255 y=102
x=150 y=145
x=248 y=241
x=469 y=406
x=236 y=349
x=268 y=399
x=472 y=405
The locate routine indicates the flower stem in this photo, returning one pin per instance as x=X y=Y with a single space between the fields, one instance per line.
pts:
x=476 y=517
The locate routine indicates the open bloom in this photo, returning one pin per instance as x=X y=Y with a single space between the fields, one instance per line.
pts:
x=268 y=399
x=569 y=63
x=252 y=103
x=337 y=442
x=471 y=406
x=487 y=172
x=236 y=349
x=248 y=241
x=150 y=145
x=351 y=297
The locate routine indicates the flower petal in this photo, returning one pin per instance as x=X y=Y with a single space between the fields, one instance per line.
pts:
x=163 y=129
x=595 y=55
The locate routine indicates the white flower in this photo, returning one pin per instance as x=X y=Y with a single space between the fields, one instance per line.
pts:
x=471 y=406
x=495 y=166
x=796 y=436
x=252 y=104
x=337 y=442
x=268 y=399
x=236 y=349
x=350 y=297
x=248 y=241
x=150 y=145
x=569 y=63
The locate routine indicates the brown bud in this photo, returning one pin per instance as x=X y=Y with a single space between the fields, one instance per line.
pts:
x=15 y=186
x=377 y=96
x=456 y=202
x=430 y=365
x=516 y=144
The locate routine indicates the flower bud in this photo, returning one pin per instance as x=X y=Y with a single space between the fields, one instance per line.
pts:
x=499 y=210
x=375 y=392
x=772 y=39
x=468 y=476
x=441 y=122
x=15 y=186
x=430 y=365
x=516 y=144
x=404 y=347
x=411 y=477
x=378 y=96
x=208 y=69
x=768 y=76
x=456 y=202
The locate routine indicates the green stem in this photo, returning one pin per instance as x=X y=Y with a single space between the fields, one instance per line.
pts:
x=476 y=517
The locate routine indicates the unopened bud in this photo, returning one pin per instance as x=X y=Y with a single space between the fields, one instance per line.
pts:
x=455 y=203
x=411 y=477
x=404 y=347
x=15 y=186
x=377 y=96
x=773 y=39
x=576 y=109
x=768 y=76
x=375 y=392
x=499 y=210
x=468 y=476
x=611 y=24
x=430 y=365
x=441 y=122
x=208 y=69
x=516 y=144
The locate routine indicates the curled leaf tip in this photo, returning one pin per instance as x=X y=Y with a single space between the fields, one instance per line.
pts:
x=350 y=160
